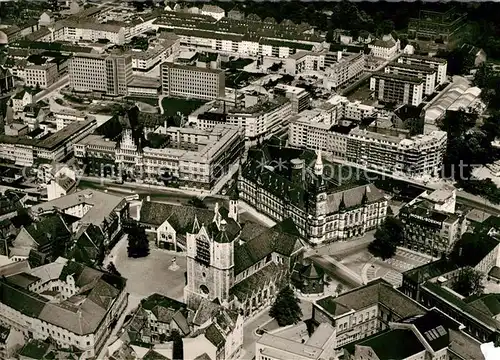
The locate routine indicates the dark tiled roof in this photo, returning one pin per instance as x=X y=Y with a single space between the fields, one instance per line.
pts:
x=471 y=249
x=403 y=344
x=266 y=243
x=435 y=327
x=205 y=311
x=35 y=349
x=153 y=355
x=155 y=300
x=23 y=279
x=465 y=308
x=377 y=291
x=250 y=230
x=203 y=356
x=182 y=218
x=89 y=246
x=22 y=300
x=214 y=335
x=430 y=270
x=257 y=280
x=487 y=303
x=49 y=227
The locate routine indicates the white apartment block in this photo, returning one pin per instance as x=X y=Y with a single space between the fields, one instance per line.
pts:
x=260 y=118
x=64 y=117
x=439 y=64
x=71 y=319
x=40 y=75
x=75 y=31
x=421 y=71
x=347 y=68
x=229 y=36
x=416 y=156
x=102 y=73
x=192 y=81
x=146 y=60
x=408 y=90
x=299 y=97
x=336 y=68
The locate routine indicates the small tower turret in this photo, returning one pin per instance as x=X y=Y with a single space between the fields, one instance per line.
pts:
x=233 y=204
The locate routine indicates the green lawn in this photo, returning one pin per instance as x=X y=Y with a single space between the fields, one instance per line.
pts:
x=172 y=105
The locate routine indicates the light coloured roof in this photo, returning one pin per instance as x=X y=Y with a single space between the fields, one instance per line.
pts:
x=289 y=346
x=50 y=271
x=101 y=204
x=3 y=38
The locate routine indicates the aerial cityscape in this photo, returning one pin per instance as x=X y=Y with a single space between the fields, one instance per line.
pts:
x=287 y=180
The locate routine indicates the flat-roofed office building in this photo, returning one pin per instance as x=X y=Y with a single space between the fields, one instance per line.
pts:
x=192 y=81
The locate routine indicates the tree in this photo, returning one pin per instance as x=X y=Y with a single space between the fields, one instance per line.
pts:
x=178 y=347
x=111 y=268
x=286 y=309
x=138 y=244
x=387 y=237
x=197 y=202
x=468 y=282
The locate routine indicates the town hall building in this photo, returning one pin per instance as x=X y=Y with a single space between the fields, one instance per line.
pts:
x=277 y=182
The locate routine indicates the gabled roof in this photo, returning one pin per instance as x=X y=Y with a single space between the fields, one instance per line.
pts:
x=205 y=312
x=182 y=218
x=214 y=335
x=264 y=244
x=47 y=229
x=257 y=280
x=377 y=291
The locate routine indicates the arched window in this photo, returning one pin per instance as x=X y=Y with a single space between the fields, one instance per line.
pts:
x=204 y=289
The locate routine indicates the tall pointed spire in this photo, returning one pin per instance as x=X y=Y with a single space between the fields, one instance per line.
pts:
x=318 y=165
x=196 y=225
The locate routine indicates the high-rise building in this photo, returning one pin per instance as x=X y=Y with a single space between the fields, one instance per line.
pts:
x=397 y=88
x=192 y=81
x=421 y=71
x=439 y=64
x=109 y=74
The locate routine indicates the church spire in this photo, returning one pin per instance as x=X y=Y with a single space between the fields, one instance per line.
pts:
x=196 y=225
x=318 y=165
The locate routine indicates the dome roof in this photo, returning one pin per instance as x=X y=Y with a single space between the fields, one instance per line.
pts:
x=3 y=38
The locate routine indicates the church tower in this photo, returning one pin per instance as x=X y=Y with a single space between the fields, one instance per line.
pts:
x=210 y=263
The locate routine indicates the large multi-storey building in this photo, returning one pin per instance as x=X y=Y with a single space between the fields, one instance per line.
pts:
x=318 y=346
x=338 y=67
x=433 y=25
x=54 y=147
x=192 y=81
x=109 y=74
x=364 y=311
x=40 y=75
x=431 y=223
x=299 y=97
x=196 y=158
x=373 y=148
x=230 y=36
x=416 y=156
x=260 y=118
x=397 y=88
x=421 y=71
x=285 y=188
x=439 y=64
x=73 y=304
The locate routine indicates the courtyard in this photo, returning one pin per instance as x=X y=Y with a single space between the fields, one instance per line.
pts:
x=150 y=274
